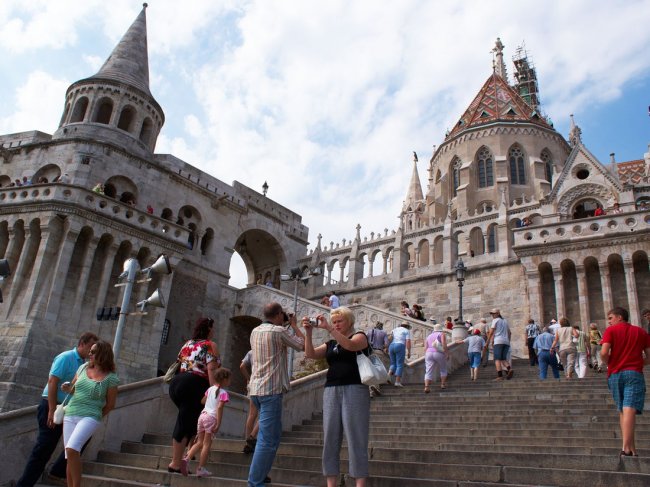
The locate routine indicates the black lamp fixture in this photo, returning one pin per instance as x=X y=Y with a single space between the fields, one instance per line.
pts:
x=265 y=188
x=460 y=277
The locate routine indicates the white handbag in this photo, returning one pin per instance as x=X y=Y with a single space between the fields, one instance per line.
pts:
x=59 y=412
x=371 y=370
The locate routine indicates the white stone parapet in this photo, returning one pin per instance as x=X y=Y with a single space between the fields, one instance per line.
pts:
x=583 y=229
x=74 y=196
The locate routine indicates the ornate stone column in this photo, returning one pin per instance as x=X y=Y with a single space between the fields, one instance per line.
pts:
x=583 y=297
x=632 y=298
x=84 y=275
x=535 y=295
x=61 y=270
x=606 y=286
x=370 y=264
x=105 y=277
x=559 y=293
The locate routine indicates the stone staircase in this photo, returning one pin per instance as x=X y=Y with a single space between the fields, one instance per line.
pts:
x=521 y=432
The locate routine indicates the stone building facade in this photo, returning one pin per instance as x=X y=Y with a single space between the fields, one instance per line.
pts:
x=521 y=206
x=96 y=194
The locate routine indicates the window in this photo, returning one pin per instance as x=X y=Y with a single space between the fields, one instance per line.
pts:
x=548 y=165
x=517 y=170
x=492 y=239
x=455 y=175
x=484 y=162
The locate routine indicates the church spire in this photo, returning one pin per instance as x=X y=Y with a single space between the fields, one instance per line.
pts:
x=499 y=66
x=414 y=193
x=129 y=61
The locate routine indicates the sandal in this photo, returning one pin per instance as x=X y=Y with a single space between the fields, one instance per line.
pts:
x=427 y=390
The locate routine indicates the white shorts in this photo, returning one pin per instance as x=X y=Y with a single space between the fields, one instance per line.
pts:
x=77 y=430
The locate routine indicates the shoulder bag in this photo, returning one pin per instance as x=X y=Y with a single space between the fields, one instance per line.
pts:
x=59 y=412
x=171 y=372
x=371 y=371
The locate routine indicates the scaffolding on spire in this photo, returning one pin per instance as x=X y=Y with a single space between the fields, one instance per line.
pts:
x=526 y=77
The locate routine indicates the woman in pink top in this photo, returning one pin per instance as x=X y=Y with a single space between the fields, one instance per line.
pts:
x=436 y=353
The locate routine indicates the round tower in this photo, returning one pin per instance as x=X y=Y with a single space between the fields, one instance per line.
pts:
x=115 y=105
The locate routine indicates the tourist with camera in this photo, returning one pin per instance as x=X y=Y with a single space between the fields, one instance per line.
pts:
x=346 y=403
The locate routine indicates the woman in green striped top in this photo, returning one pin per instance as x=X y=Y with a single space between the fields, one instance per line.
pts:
x=94 y=391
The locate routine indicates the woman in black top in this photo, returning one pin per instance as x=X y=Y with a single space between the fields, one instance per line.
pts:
x=346 y=402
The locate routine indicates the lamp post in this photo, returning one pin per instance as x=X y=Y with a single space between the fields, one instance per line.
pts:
x=296 y=276
x=130 y=272
x=460 y=277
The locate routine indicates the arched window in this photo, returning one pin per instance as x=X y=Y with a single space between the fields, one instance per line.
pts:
x=206 y=241
x=104 y=111
x=484 y=163
x=146 y=131
x=586 y=208
x=455 y=175
x=127 y=118
x=79 y=111
x=492 y=239
x=548 y=165
x=517 y=169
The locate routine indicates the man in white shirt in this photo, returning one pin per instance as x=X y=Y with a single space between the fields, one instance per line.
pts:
x=334 y=300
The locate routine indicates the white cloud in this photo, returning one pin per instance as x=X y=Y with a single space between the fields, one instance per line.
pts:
x=326 y=100
x=38 y=104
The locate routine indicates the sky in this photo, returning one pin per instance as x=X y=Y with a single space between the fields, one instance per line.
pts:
x=327 y=100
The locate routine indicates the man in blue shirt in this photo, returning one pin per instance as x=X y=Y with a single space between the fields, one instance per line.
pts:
x=546 y=355
x=63 y=369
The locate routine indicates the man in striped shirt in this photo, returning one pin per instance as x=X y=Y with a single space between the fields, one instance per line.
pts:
x=269 y=381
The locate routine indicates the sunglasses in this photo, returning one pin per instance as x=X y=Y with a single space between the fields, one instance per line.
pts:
x=93 y=351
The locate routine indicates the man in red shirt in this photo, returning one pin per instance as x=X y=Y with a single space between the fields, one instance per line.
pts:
x=623 y=346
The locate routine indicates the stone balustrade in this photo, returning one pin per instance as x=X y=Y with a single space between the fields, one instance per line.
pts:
x=585 y=228
x=113 y=209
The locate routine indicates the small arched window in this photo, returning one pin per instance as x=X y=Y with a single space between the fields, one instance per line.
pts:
x=79 y=110
x=104 y=111
x=127 y=118
x=455 y=175
x=517 y=167
x=484 y=163
x=146 y=131
x=548 y=165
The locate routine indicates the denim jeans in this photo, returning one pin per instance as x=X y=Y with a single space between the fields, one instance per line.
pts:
x=545 y=359
x=46 y=442
x=268 y=438
x=397 y=352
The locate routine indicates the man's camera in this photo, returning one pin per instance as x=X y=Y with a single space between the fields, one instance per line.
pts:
x=313 y=322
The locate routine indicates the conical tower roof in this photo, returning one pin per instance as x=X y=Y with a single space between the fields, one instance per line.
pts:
x=414 y=193
x=497 y=101
x=129 y=61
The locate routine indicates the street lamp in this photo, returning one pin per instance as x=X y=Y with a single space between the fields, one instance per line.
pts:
x=265 y=188
x=130 y=271
x=296 y=276
x=460 y=277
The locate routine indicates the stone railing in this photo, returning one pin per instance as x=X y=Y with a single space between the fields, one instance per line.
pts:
x=582 y=229
x=88 y=200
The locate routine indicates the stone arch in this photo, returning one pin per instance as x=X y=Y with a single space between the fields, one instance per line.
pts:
x=517 y=164
x=121 y=188
x=458 y=245
x=345 y=269
x=594 y=290
x=363 y=266
x=642 y=278
x=79 y=110
x=438 y=250
x=389 y=259
x=46 y=174
x=476 y=241
x=491 y=238
x=5 y=181
x=127 y=119
x=547 y=289
x=423 y=253
x=333 y=272
x=75 y=268
x=261 y=253
x=617 y=281
x=103 y=111
x=484 y=167
x=146 y=132
x=409 y=251
x=91 y=298
x=569 y=200
x=485 y=206
x=166 y=214
x=206 y=241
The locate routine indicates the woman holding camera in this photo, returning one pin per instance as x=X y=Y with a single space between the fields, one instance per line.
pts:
x=346 y=403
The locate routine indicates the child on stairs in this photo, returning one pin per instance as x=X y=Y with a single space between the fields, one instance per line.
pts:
x=209 y=422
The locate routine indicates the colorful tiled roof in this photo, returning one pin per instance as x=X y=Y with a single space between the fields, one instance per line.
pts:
x=631 y=172
x=497 y=101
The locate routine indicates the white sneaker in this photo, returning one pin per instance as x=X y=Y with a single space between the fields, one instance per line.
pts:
x=398 y=384
x=203 y=472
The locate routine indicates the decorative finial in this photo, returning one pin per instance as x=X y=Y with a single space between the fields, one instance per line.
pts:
x=415 y=156
x=145 y=5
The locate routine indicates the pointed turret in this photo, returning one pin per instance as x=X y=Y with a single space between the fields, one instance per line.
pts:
x=414 y=193
x=129 y=61
x=115 y=105
x=499 y=65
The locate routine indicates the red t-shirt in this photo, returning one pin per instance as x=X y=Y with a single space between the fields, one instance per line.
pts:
x=627 y=343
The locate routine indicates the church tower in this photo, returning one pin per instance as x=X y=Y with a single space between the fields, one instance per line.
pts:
x=115 y=104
